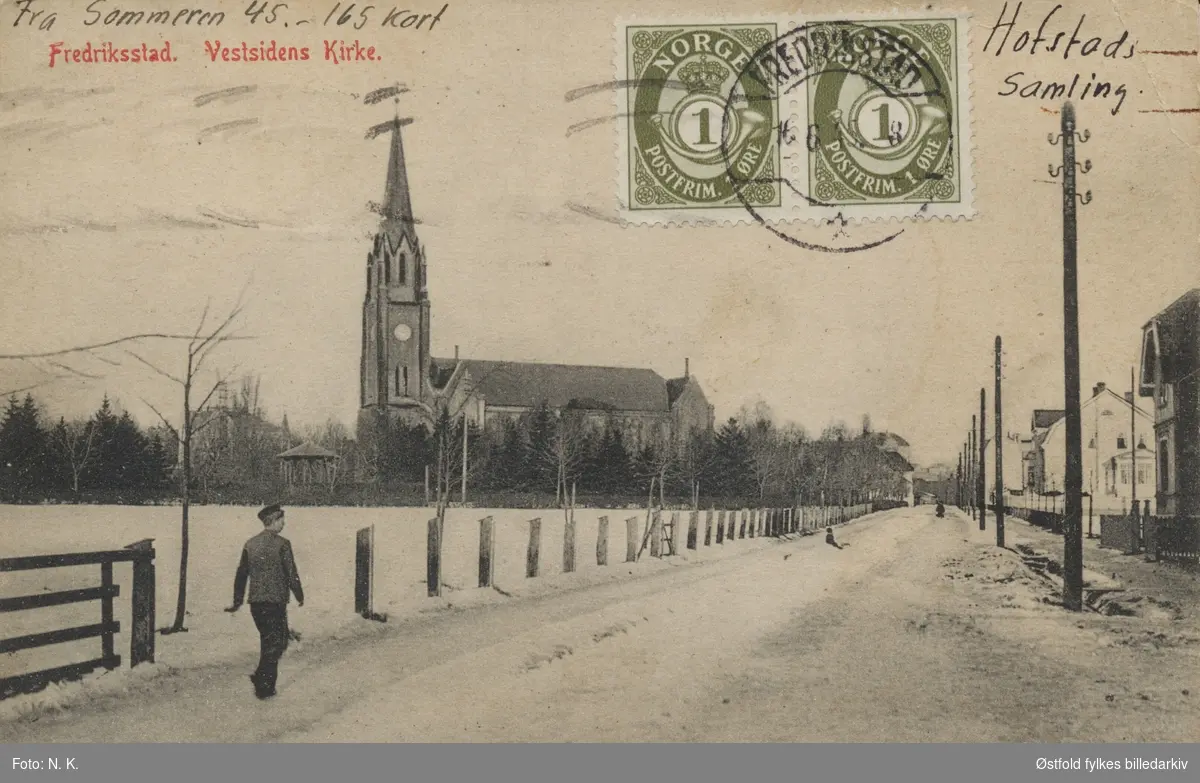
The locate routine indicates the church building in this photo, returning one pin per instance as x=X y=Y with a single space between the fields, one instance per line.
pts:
x=400 y=379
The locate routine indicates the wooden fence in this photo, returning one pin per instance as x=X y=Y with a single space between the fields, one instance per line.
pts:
x=659 y=537
x=141 y=637
x=1174 y=539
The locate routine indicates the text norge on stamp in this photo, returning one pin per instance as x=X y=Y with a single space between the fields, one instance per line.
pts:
x=843 y=118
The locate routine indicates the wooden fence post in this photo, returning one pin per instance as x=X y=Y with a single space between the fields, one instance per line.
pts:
x=433 y=560
x=362 y=572
x=535 y=547
x=142 y=609
x=676 y=532
x=733 y=524
x=656 y=535
x=569 y=543
x=487 y=552
x=111 y=661
x=721 y=526
x=708 y=527
x=742 y=528
x=631 y=539
x=602 y=543
x=693 y=529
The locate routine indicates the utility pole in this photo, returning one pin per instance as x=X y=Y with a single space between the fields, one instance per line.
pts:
x=1133 y=511
x=999 y=454
x=982 y=459
x=1073 y=510
x=971 y=455
x=958 y=483
x=464 y=461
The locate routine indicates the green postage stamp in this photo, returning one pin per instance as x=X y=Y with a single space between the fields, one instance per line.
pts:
x=795 y=120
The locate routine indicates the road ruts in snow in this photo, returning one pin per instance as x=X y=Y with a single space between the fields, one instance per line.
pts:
x=919 y=630
x=915 y=632
x=215 y=703
x=643 y=669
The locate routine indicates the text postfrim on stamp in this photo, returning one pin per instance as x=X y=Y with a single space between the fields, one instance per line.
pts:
x=777 y=121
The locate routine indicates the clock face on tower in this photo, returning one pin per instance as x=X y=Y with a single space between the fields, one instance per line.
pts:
x=403 y=332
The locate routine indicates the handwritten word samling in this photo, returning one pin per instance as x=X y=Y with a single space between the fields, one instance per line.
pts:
x=1055 y=41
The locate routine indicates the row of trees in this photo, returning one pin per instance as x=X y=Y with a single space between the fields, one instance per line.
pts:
x=106 y=453
x=750 y=456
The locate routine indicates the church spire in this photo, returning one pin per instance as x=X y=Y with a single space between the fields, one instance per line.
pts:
x=397 y=204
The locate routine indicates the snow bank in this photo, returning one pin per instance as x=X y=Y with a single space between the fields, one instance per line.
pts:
x=324 y=542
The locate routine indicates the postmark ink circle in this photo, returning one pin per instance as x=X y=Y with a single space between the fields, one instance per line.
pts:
x=881 y=118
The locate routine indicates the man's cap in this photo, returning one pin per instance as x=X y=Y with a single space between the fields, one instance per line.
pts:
x=268 y=513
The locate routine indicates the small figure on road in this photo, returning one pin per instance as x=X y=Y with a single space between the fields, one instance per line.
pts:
x=829 y=538
x=267 y=562
x=941 y=509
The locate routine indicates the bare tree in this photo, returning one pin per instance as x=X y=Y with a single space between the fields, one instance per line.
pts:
x=200 y=345
x=757 y=420
x=76 y=444
x=334 y=436
x=196 y=417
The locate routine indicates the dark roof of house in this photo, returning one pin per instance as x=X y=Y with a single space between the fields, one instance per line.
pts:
x=1179 y=338
x=1043 y=418
x=897 y=462
x=675 y=387
x=308 y=450
x=529 y=384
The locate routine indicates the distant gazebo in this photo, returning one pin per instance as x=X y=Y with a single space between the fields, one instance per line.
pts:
x=307 y=463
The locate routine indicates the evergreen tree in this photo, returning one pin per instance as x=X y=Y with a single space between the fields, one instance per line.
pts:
x=24 y=452
x=157 y=467
x=539 y=468
x=609 y=468
x=509 y=461
x=733 y=462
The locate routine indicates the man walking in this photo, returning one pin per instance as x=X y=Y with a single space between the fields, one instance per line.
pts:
x=268 y=564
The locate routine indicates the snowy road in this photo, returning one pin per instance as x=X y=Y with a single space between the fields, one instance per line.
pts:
x=917 y=631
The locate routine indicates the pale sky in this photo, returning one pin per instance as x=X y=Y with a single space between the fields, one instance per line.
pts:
x=124 y=206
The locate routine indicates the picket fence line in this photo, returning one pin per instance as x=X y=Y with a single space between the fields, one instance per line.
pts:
x=660 y=533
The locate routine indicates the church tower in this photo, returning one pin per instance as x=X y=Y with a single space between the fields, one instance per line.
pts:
x=395 y=338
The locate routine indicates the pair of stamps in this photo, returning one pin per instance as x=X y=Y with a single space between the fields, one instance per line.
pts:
x=775 y=122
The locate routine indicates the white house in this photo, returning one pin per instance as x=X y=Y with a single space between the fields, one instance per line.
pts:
x=1108 y=452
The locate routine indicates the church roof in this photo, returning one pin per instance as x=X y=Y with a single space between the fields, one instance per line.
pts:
x=397 y=208
x=675 y=387
x=529 y=384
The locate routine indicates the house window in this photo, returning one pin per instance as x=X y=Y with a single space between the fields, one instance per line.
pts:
x=1121 y=442
x=1124 y=475
x=1143 y=474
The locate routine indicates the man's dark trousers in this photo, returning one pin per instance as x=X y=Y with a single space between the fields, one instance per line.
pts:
x=271 y=621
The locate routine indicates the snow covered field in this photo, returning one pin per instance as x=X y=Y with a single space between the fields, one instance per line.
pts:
x=324 y=543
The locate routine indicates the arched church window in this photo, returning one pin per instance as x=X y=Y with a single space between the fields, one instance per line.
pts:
x=396 y=386
x=402 y=269
x=387 y=266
